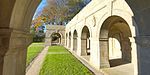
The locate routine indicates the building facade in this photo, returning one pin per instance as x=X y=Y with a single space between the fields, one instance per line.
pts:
x=126 y=22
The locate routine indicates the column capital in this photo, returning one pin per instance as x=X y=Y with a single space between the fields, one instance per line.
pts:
x=5 y=34
x=14 y=38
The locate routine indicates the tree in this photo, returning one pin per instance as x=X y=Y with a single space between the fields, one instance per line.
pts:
x=60 y=11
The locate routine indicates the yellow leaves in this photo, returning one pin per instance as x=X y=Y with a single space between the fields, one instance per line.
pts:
x=44 y=19
x=38 y=21
x=37 y=24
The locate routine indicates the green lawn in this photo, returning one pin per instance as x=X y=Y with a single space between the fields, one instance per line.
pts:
x=62 y=64
x=33 y=50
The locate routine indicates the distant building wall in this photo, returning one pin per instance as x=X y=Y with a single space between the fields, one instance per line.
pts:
x=51 y=29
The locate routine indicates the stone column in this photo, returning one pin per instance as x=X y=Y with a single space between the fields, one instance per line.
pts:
x=48 y=41
x=95 y=53
x=71 y=43
x=14 y=58
x=75 y=44
x=134 y=55
x=63 y=41
x=15 y=62
x=4 y=45
x=143 y=52
x=67 y=41
x=48 y=38
x=104 y=53
x=79 y=46
x=126 y=49
x=83 y=46
x=60 y=41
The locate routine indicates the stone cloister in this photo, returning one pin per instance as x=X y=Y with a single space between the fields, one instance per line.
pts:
x=104 y=32
x=55 y=35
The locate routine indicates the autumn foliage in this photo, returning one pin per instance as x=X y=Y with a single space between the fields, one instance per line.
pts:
x=58 y=12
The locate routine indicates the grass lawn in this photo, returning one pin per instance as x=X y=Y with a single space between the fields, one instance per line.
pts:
x=33 y=50
x=63 y=63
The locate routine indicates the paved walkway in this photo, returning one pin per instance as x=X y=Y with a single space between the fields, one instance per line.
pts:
x=120 y=70
x=35 y=66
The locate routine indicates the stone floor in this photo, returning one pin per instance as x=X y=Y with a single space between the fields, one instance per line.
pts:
x=119 y=70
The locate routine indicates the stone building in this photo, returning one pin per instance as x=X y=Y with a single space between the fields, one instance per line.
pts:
x=92 y=34
x=112 y=34
x=55 y=35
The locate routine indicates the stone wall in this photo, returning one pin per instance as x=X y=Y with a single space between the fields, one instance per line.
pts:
x=102 y=17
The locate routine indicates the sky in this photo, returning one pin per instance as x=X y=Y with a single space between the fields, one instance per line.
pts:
x=40 y=7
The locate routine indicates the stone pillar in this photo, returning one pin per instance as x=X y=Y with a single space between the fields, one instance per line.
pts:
x=68 y=41
x=60 y=41
x=14 y=44
x=134 y=55
x=15 y=62
x=83 y=46
x=79 y=46
x=126 y=49
x=4 y=45
x=71 y=43
x=143 y=52
x=94 y=52
x=75 y=44
x=63 y=41
x=48 y=41
x=104 y=54
x=48 y=38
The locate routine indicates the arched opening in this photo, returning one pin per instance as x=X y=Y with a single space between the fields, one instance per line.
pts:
x=69 y=39
x=75 y=35
x=55 y=39
x=15 y=37
x=15 y=28
x=85 y=43
x=115 y=45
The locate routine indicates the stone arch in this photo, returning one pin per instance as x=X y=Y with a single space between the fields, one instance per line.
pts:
x=62 y=36
x=117 y=31
x=15 y=30
x=51 y=29
x=81 y=28
x=85 y=42
x=75 y=36
x=22 y=14
x=56 y=38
